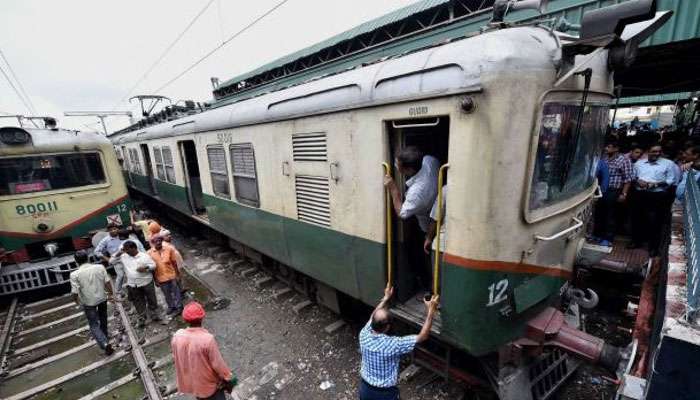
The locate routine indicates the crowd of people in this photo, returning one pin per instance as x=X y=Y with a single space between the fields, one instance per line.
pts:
x=640 y=177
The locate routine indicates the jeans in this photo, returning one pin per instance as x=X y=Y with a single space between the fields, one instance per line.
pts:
x=119 y=270
x=605 y=215
x=172 y=294
x=369 y=392
x=144 y=297
x=218 y=395
x=97 y=319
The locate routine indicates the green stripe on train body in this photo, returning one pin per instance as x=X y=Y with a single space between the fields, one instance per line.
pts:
x=357 y=267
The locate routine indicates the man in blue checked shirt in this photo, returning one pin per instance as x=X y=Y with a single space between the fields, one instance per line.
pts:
x=381 y=352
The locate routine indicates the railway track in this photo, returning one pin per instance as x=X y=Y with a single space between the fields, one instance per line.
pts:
x=47 y=352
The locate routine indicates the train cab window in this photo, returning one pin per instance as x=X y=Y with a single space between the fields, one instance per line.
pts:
x=245 y=179
x=160 y=169
x=565 y=165
x=50 y=172
x=218 y=170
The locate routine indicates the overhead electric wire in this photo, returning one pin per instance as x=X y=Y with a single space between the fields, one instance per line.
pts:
x=15 y=89
x=19 y=83
x=217 y=48
x=165 y=53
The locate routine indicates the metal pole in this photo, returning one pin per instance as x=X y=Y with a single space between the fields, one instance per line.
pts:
x=102 y=120
x=389 y=256
x=618 y=91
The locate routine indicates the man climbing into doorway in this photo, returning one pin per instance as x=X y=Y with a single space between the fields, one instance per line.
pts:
x=421 y=172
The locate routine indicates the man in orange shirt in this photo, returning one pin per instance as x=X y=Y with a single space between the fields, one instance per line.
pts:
x=167 y=273
x=199 y=367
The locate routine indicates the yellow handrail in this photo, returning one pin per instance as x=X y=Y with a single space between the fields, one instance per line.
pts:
x=436 y=259
x=389 y=269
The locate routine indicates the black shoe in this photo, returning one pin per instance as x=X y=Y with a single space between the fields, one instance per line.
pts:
x=109 y=350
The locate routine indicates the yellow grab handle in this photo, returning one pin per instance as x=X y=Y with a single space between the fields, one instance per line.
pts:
x=436 y=259
x=389 y=256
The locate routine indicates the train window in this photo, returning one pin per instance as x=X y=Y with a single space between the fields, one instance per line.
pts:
x=565 y=165
x=50 y=172
x=160 y=169
x=135 y=162
x=169 y=166
x=218 y=170
x=245 y=178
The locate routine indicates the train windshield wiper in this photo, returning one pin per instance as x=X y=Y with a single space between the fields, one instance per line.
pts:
x=573 y=142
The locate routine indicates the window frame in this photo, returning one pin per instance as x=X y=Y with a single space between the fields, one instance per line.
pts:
x=212 y=173
x=239 y=199
x=556 y=96
x=135 y=161
x=103 y=162
x=169 y=167
x=159 y=166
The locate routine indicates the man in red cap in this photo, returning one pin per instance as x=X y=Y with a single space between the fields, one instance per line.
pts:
x=200 y=369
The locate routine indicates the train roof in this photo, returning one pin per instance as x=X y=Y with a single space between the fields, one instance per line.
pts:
x=53 y=140
x=451 y=68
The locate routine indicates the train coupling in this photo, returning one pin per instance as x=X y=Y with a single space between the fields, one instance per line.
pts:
x=549 y=329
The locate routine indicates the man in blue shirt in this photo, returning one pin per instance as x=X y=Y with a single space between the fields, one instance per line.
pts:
x=381 y=352
x=655 y=176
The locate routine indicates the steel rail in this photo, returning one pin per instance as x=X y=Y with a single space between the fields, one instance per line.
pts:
x=147 y=378
x=5 y=338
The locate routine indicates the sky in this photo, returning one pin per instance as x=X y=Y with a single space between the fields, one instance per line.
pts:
x=82 y=55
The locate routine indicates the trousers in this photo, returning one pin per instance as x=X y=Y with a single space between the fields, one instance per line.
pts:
x=144 y=297
x=119 y=270
x=648 y=218
x=220 y=394
x=173 y=295
x=605 y=211
x=369 y=392
x=97 y=320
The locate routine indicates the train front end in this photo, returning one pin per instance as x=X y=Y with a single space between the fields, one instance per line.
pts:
x=57 y=188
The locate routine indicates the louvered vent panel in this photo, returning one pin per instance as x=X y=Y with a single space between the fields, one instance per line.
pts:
x=313 y=202
x=309 y=147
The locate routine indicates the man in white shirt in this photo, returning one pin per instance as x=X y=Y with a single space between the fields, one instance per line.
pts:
x=654 y=176
x=138 y=268
x=90 y=288
x=422 y=173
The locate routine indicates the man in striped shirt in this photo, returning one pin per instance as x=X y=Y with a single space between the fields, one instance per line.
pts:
x=381 y=352
x=620 y=179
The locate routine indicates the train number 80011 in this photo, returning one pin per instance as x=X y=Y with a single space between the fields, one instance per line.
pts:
x=35 y=208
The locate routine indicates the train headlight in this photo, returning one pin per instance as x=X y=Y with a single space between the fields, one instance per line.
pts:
x=13 y=135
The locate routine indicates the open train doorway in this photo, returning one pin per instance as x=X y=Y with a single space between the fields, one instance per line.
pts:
x=193 y=182
x=412 y=264
x=149 y=168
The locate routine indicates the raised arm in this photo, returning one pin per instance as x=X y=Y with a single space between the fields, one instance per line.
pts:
x=431 y=307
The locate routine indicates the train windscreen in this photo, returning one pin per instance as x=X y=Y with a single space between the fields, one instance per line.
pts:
x=42 y=173
x=567 y=158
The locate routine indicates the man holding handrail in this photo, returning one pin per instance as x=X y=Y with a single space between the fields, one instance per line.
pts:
x=382 y=352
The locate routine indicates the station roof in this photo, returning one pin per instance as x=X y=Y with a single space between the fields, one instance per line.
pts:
x=428 y=22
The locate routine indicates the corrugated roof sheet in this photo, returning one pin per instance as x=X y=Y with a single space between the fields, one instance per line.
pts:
x=369 y=26
x=668 y=98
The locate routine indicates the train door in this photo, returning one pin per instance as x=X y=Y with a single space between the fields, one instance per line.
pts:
x=149 y=168
x=193 y=182
x=412 y=264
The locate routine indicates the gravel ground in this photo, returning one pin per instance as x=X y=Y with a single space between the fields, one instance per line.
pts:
x=278 y=354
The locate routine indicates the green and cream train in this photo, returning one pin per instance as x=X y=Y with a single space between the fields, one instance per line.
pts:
x=519 y=113
x=56 y=188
